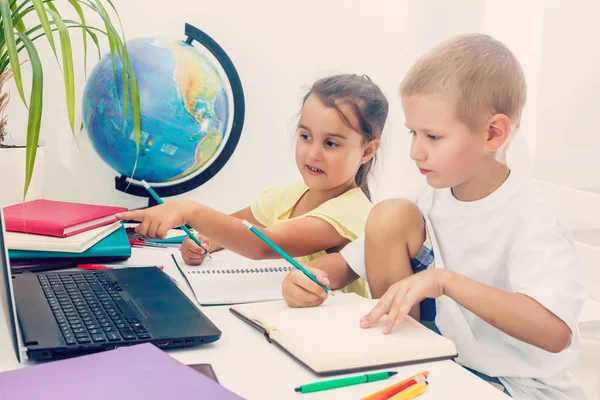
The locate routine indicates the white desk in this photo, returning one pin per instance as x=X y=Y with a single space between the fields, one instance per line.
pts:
x=247 y=364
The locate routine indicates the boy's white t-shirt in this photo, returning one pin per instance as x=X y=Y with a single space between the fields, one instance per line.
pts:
x=511 y=240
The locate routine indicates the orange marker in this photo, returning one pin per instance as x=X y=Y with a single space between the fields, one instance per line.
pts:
x=394 y=386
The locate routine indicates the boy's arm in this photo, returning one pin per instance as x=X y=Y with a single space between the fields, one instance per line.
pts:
x=515 y=314
x=541 y=307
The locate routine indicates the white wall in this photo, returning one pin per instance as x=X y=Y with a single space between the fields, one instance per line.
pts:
x=279 y=48
x=519 y=24
x=568 y=141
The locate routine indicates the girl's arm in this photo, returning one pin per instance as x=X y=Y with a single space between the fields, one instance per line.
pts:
x=515 y=314
x=336 y=269
x=297 y=238
x=243 y=214
x=330 y=270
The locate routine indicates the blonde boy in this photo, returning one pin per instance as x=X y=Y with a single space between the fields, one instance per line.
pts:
x=479 y=254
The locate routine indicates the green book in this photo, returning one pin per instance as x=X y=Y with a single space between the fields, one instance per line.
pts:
x=114 y=245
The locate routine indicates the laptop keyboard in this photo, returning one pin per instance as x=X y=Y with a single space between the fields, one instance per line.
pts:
x=89 y=308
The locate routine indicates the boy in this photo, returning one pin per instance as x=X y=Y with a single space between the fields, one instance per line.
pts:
x=484 y=240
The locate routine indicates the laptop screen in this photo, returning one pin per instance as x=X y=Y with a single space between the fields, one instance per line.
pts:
x=7 y=298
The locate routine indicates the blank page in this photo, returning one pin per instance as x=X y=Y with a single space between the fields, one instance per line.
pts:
x=329 y=337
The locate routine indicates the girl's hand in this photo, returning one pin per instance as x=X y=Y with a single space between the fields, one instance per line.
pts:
x=156 y=221
x=193 y=254
x=401 y=296
x=300 y=291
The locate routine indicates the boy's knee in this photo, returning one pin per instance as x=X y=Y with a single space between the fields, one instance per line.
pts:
x=395 y=217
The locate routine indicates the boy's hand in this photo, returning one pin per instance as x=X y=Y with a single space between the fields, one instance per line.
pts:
x=156 y=221
x=300 y=291
x=401 y=296
x=193 y=254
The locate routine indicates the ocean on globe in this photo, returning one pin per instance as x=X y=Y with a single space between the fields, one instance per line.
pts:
x=184 y=104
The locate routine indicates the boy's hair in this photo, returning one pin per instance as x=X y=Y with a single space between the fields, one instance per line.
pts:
x=479 y=74
x=370 y=107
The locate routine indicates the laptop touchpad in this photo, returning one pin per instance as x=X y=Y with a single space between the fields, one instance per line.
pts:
x=153 y=294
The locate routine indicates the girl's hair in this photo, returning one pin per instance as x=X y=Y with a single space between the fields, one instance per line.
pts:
x=370 y=107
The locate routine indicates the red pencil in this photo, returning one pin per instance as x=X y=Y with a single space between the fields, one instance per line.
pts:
x=396 y=390
x=101 y=267
x=386 y=390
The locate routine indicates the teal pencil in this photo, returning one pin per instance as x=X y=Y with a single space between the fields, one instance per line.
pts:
x=160 y=201
x=283 y=254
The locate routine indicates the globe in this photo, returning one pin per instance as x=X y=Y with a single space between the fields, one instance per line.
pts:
x=185 y=107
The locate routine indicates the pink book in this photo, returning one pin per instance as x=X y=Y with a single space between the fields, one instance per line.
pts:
x=57 y=218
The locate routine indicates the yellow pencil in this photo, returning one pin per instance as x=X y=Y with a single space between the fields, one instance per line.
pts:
x=411 y=392
x=394 y=386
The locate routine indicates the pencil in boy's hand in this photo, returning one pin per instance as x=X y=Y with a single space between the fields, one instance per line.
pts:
x=156 y=197
x=283 y=254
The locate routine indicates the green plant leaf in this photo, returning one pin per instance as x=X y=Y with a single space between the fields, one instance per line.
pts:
x=79 y=11
x=35 y=109
x=117 y=46
x=41 y=13
x=67 y=60
x=73 y=24
x=20 y=25
x=51 y=6
x=11 y=47
x=137 y=117
x=120 y=47
x=12 y=17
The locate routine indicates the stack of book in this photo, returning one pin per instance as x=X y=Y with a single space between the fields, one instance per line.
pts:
x=46 y=234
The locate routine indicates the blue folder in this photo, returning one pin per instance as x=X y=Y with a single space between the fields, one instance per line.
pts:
x=114 y=245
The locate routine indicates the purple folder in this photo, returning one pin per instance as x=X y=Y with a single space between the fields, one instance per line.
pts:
x=136 y=372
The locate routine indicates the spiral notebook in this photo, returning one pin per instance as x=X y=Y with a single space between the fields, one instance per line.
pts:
x=228 y=278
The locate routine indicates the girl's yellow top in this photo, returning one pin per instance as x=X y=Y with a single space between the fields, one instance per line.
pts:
x=347 y=214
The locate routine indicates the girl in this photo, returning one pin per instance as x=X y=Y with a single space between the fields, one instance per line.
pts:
x=338 y=135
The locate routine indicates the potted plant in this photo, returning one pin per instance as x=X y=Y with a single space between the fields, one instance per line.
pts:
x=22 y=24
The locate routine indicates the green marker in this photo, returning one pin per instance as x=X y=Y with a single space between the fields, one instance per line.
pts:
x=160 y=201
x=337 y=383
x=283 y=254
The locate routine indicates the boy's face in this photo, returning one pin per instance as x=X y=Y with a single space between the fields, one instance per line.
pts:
x=445 y=149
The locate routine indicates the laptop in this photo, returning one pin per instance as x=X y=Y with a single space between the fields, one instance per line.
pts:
x=69 y=313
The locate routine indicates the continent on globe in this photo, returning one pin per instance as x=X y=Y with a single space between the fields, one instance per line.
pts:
x=184 y=104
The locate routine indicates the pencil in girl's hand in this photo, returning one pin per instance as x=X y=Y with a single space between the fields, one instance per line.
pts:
x=283 y=254
x=156 y=197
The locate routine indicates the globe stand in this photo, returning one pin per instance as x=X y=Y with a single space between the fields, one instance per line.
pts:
x=192 y=33
x=125 y=186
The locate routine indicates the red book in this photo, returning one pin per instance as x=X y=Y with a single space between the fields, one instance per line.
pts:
x=57 y=218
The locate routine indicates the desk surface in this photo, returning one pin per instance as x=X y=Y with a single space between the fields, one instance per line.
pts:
x=247 y=364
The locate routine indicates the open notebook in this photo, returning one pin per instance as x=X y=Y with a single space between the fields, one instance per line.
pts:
x=229 y=278
x=329 y=340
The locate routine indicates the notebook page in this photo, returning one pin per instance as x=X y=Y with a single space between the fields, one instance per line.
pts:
x=329 y=337
x=229 y=278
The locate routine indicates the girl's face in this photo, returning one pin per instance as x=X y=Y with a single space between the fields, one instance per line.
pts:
x=329 y=152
